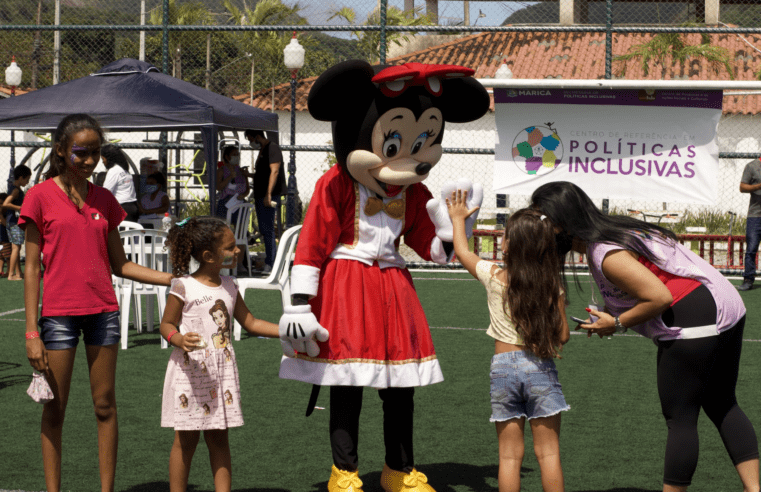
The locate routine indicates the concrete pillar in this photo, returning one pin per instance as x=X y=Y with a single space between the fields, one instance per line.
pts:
x=432 y=9
x=466 y=12
x=574 y=12
x=711 y=12
x=409 y=5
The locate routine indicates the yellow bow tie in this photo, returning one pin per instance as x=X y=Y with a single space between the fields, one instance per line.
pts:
x=394 y=208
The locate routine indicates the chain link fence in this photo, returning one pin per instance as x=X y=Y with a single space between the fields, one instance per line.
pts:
x=235 y=48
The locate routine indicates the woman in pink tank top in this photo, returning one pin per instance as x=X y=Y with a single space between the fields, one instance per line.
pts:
x=662 y=290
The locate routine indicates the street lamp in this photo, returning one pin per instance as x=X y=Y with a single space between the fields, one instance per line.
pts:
x=13 y=79
x=293 y=56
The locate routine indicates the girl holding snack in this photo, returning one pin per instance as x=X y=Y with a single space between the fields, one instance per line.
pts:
x=201 y=388
x=528 y=323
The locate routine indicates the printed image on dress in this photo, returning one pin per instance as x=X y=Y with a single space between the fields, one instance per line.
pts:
x=221 y=317
x=208 y=375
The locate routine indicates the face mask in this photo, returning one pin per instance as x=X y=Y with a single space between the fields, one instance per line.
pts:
x=235 y=160
x=564 y=242
x=255 y=145
x=151 y=188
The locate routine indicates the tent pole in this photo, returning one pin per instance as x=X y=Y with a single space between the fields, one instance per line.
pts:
x=210 y=135
x=57 y=45
x=142 y=33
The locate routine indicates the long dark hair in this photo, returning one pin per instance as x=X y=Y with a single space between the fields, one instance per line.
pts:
x=114 y=155
x=534 y=281
x=574 y=212
x=195 y=236
x=67 y=128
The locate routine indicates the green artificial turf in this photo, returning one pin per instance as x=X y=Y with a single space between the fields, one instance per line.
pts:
x=612 y=439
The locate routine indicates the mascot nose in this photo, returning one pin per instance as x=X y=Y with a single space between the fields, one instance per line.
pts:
x=422 y=168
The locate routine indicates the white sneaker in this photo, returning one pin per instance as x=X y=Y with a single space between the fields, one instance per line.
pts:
x=267 y=269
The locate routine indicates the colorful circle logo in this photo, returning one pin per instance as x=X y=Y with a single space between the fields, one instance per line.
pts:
x=537 y=149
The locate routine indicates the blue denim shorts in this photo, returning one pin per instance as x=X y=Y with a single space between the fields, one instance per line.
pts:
x=523 y=385
x=16 y=235
x=62 y=332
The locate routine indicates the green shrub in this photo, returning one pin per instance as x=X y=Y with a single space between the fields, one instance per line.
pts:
x=714 y=220
x=195 y=209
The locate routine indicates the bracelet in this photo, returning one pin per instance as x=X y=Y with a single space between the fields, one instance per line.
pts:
x=32 y=334
x=169 y=338
x=620 y=328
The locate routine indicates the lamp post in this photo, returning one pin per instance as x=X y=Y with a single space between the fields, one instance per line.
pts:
x=13 y=79
x=293 y=56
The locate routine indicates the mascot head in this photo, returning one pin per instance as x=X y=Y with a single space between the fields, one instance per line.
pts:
x=388 y=122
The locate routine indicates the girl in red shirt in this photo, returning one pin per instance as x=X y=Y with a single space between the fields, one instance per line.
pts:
x=72 y=225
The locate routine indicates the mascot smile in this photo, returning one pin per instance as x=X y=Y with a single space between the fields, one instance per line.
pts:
x=355 y=318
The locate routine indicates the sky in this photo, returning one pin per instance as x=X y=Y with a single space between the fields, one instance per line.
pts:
x=450 y=12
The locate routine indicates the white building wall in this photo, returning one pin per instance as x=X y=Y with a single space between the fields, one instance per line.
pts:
x=737 y=133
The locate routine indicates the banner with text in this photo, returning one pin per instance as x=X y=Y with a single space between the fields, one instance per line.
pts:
x=641 y=144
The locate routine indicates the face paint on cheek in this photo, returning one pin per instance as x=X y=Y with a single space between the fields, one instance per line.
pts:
x=76 y=148
x=228 y=260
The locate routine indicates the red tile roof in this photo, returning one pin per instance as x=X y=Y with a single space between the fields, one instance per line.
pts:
x=569 y=55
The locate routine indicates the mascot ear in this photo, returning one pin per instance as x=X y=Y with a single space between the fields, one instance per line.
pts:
x=463 y=100
x=343 y=89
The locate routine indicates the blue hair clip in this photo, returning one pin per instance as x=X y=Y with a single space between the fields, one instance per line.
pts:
x=183 y=222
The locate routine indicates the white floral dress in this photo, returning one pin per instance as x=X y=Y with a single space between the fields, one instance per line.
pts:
x=201 y=388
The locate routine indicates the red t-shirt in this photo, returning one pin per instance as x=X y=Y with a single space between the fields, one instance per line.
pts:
x=678 y=286
x=74 y=246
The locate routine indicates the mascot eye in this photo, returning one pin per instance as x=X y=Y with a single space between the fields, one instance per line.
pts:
x=418 y=143
x=392 y=144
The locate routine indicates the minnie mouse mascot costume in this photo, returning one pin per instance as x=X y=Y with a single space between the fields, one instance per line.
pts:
x=356 y=319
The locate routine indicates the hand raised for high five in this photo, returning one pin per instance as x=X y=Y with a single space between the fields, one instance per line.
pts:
x=437 y=209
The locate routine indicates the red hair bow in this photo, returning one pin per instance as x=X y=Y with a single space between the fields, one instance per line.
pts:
x=395 y=80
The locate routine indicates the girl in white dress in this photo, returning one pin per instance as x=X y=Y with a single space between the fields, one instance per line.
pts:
x=201 y=388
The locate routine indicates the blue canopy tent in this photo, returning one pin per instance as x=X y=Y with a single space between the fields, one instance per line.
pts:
x=131 y=95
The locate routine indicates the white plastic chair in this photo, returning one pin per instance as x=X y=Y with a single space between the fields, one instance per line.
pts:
x=240 y=228
x=118 y=281
x=278 y=279
x=128 y=226
x=148 y=254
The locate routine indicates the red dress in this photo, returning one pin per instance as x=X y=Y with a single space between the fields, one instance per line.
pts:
x=363 y=293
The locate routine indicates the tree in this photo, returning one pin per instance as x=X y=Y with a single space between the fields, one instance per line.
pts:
x=264 y=48
x=671 y=48
x=186 y=14
x=369 y=41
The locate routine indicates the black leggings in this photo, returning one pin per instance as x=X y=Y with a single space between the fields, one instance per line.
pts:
x=398 y=407
x=132 y=211
x=701 y=373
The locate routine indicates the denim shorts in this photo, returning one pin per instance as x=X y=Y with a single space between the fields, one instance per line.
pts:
x=16 y=235
x=523 y=385
x=62 y=332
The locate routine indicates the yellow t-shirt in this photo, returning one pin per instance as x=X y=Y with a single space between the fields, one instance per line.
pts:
x=500 y=327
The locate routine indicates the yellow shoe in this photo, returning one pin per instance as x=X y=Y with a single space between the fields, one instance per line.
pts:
x=344 y=481
x=396 y=481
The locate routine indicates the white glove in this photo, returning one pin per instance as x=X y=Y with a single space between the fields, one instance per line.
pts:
x=437 y=209
x=299 y=329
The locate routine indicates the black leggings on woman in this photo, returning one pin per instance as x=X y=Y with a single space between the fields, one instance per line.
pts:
x=700 y=373
x=132 y=211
